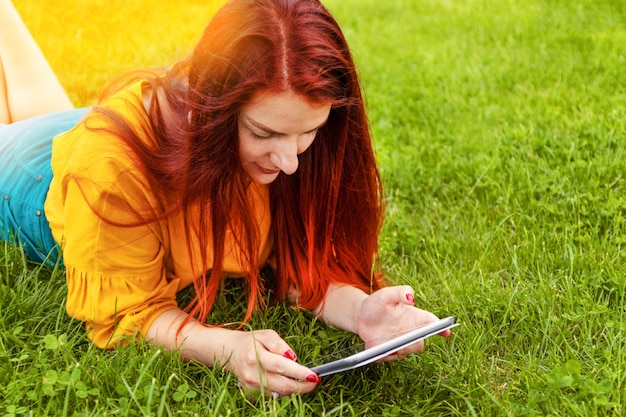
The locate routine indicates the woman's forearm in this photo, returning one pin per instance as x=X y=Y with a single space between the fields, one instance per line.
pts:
x=195 y=341
x=260 y=359
x=342 y=307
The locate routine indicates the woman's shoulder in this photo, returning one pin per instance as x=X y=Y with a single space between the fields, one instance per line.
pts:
x=97 y=139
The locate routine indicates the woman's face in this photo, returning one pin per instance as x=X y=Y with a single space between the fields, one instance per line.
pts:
x=274 y=128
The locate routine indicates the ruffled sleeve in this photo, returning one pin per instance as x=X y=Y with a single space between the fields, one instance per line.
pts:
x=116 y=278
x=115 y=273
x=116 y=307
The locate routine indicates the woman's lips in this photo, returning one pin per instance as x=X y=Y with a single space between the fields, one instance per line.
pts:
x=267 y=171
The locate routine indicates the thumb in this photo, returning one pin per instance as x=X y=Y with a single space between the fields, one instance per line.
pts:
x=409 y=295
x=400 y=294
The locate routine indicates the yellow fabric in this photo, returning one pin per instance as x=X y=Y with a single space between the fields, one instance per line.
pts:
x=121 y=278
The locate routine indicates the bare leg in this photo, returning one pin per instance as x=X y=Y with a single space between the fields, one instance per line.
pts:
x=28 y=85
x=5 y=115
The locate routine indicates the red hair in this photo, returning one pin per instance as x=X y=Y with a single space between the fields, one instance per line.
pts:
x=326 y=217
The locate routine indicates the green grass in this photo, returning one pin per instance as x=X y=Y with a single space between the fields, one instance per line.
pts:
x=500 y=132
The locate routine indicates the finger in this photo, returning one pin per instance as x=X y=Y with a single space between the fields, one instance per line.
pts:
x=392 y=357
x=286 y=386
x=446 y=333
x=280 y=365
x=275 y=373
x=271 y=341
x=403 y=353
x=426 y=317
x=399 y=294
x=416 y=347
x=277 y=385
x=280 y=354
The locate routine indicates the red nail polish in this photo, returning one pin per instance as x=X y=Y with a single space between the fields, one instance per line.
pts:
x=290 y=355
x=410 y=298
x=313 y=378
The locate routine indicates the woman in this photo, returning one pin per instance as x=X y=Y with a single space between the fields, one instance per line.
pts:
x=254 y=151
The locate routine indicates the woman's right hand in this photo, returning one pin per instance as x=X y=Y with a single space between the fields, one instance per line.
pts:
x=261 y=360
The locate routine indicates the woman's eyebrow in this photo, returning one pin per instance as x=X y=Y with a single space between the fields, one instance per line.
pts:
x=266 y=129
x=262 y=126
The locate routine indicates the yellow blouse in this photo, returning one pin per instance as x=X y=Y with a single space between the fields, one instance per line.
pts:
x=121 y=278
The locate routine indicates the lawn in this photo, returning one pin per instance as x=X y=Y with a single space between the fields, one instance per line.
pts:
x=500 y=134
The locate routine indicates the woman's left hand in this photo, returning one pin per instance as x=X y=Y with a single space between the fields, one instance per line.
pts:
x=390 y=312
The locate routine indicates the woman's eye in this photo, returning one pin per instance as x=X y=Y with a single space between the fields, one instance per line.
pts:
x=257 y=136
x=260 y=137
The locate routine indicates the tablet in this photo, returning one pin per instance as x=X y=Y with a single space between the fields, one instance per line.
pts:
x=384 y=349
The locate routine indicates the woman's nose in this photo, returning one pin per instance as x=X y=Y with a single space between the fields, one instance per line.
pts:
x=285 y=157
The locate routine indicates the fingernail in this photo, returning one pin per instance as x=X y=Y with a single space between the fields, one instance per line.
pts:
x=313 y=378
x=290 y=355
x=319 y=380
x=410 y=298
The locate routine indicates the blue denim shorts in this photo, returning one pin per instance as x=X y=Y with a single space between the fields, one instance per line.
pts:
x=25 y=175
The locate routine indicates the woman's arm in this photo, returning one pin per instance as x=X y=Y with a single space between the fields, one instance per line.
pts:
x=260 y=359
x=377 y=317
x=342 y=307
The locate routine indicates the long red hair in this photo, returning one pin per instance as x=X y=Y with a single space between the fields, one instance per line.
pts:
x=326 y=217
